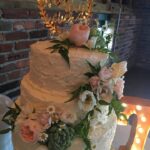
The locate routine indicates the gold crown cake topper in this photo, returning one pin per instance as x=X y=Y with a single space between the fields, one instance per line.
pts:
x=80 y=11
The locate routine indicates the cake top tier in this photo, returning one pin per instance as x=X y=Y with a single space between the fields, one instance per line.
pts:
x=50 y=72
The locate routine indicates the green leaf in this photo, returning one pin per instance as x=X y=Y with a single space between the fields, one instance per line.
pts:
x=82 y=130
x=95 y=69
x=5 y=131
x=77 y=92
x=55 y=41
x=89 y=74
x=64 y=53
x=117 y=106
x=110 y=110
x=87 y=143
x=102 y=102
x=97 y=109
x=114 y=57
x=84 y=46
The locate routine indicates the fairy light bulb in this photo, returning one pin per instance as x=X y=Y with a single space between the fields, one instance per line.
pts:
x=143 y=119
x=140 y=130
x=124 y=105
x=137 y=140
x=138 y=107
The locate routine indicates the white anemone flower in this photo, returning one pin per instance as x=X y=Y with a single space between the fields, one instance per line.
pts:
x=87 y=101
x=43 y=137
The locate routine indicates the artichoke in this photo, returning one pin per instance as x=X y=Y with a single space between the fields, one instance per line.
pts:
x=60 y=136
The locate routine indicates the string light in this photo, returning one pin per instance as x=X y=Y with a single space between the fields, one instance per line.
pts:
x=138 y=141
x=124 y=105
x=138 y=107
x=143 y=123
x=140 y=130
x=143 y=119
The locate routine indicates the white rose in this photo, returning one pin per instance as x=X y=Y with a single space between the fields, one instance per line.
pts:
x=119 y=69
x=87 y=101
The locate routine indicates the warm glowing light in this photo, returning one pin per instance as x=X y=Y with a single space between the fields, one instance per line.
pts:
x=124 y=105
x=138 y=141
x=143 y=119
x=140 y=130
x=138 y=107
x=134 y=147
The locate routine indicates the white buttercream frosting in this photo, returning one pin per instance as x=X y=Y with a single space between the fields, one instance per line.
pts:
x=50 y=81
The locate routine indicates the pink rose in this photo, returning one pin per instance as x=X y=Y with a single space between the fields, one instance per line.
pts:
x=105 y=73
x=30 y=130
x=119 y=87
x=79 y=34
x=94 y=82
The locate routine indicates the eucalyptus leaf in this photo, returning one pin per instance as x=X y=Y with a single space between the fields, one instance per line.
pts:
x=75 y=94
x=89 y=74
x=64 y=53
x=5 y=131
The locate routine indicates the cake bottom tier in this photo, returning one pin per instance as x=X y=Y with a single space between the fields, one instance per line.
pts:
x=101 y=137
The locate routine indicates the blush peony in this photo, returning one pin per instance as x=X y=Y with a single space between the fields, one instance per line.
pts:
x=30 y=130
x=79 y=34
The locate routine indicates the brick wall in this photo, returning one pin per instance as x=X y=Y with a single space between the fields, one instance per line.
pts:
x=126 y=40
x=18 y=29
x=143 y=44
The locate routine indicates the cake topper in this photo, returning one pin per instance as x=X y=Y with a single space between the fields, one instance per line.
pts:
x=69 y=12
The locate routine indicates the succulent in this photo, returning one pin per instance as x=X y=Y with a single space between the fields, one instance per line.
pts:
x=60 y=136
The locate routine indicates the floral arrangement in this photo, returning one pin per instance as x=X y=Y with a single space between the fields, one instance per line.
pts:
x=81 y=35
x=56 y=128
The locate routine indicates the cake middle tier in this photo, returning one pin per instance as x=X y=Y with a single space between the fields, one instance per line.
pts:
x=51 y=72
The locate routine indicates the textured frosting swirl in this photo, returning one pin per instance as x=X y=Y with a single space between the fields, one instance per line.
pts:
x=50 y=71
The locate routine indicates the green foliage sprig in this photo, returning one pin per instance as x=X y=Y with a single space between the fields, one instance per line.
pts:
x=76 y=93
x=10 y=118
x=117 y=106
x=102 y=43
x=62 y=47
x=94 y=69
x=82 y=130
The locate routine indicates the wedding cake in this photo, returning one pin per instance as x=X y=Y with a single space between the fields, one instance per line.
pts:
x=70 y=99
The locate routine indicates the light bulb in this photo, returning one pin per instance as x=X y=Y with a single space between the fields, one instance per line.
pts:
x=138 y=107
x=140 y=130
x=143 y=119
